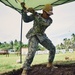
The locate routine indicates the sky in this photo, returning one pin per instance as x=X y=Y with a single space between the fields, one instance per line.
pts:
x=62 y=27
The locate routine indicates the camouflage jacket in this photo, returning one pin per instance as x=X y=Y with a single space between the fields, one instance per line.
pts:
x=39 y=25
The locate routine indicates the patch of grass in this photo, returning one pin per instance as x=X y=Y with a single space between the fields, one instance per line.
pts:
x=9 y=63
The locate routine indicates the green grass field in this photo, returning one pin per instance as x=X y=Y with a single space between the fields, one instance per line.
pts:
x=10 y=63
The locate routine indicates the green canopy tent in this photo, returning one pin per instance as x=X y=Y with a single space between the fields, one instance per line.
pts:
x=36 y=4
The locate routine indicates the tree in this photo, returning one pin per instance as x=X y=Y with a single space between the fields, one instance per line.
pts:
x=11 y=44
x=62 y=46
x=73 y=38
x=4 y=46
x=58 y=47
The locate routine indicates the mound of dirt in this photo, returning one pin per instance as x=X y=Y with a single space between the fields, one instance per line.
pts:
x=41 y=69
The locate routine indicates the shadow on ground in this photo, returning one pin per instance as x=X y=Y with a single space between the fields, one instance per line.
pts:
x=41 y=69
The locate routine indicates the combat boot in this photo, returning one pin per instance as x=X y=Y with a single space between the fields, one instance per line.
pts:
x=24 y=72
x=50 y=65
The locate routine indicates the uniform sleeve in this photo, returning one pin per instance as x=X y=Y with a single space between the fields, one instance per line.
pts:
x=27 y=18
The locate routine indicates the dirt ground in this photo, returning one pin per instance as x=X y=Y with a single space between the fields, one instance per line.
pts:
x=41 y=69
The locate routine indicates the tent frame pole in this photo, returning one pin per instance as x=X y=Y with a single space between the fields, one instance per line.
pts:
x=21 y=38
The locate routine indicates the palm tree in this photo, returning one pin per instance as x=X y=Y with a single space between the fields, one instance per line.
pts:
x=62 y=46
x=65 y=42
x=73 y=38
x=73 y=41
x=58 y=47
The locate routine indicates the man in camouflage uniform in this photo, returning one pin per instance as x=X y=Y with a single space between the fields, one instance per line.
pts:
x=37 y=35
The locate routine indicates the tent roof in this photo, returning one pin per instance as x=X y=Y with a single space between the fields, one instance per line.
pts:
x=37 y=5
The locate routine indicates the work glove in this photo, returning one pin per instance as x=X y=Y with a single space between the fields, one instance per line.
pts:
x=31 y=10
x=23 y=5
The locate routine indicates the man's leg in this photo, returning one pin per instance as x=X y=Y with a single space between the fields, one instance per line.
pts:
x=49 y=45
x=32 y=47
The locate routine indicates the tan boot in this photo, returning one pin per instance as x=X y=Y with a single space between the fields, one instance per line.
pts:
x=50 y=65
x=24 y=72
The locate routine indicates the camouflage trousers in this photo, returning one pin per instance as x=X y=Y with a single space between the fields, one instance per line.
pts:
x=32 y=48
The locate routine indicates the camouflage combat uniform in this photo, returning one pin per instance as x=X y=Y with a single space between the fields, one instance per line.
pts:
x=36 y=35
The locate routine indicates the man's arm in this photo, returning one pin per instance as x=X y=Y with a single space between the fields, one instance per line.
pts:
x=27 y=18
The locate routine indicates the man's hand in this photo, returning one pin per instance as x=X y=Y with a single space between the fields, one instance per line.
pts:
x=23 y=5
x=31 y=10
